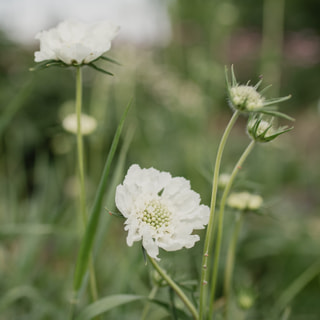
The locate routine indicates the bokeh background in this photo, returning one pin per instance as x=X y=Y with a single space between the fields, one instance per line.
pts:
x=172 y=56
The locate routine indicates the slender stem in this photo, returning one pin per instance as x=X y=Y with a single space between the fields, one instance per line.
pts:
x=176 y=289
x=230 y=262
x=151 y=295
x=83 y=206
x=83 y=209
x=220 y=223
x=211 y=224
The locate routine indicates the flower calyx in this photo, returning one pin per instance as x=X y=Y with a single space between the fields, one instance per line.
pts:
x=262 y=130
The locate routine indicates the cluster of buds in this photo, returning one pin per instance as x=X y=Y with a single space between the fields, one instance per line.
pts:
x=247 y=99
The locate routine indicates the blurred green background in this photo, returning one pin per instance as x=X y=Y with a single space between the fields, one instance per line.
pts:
x=179 y=113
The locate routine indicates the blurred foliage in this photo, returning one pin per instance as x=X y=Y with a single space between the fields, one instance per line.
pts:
x=179 y=113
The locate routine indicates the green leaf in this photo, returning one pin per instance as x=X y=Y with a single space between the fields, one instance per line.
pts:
x=105 y=304
x=87 y=242
x=100 y=69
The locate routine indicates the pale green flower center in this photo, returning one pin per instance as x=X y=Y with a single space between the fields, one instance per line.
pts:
x=156 y=214
x=246 y=97
x=263 y=126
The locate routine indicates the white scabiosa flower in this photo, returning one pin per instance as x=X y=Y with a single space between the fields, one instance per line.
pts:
x=75 y=43
x=160 y=210
x=244 y=201
x=88 y=123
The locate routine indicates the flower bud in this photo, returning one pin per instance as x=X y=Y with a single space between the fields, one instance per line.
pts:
x=248 y=99
x=244 y=201
x=245 y=98
x=263 y=131
x=88 y=123
x=245 y=299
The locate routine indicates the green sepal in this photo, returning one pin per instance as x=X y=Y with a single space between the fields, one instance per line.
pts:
x=115 y=214
x=49 y=63
x=144 y=254
x=110 y=60
x=269 y=138
x=275 y=113
x=99 y=69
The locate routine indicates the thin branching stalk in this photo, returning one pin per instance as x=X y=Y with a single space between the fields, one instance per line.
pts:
x=176 y=289
x=230 y=262
x=220 y=223
x=211 y=225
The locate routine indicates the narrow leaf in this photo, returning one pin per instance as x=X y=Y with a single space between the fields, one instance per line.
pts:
x=105 y=304
x=87 y=242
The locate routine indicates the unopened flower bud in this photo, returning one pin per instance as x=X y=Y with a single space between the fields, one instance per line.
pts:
x=263 y=131
x=244 y=201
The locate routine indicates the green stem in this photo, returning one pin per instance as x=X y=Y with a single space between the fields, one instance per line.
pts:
x=83 y=206
x=230 y=262
x=176 y=289
x=83 y=209
x=220 y=223
x=211 y=224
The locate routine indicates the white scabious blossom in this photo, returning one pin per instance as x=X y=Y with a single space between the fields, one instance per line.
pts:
x=244 y=201
x=160 y=210
x=88 y=123
x=75 y=42
x=244 y=97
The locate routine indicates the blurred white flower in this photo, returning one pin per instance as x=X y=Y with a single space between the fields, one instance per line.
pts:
x=224 y=178
x=75 y=42
x=160 y=210
x=244 y=201
x=88 y=123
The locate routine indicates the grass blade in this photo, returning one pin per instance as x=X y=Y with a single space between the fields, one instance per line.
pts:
x=86 y=245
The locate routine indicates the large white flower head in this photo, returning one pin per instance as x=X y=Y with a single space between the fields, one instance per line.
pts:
x=75 y=42
x=160 y=210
